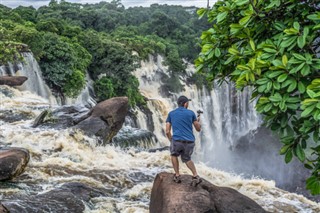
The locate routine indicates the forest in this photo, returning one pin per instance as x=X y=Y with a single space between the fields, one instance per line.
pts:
x=70 y=39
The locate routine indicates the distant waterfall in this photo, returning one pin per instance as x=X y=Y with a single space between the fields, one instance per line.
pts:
x=36 y=84
x=228 y=113
x=29 y=68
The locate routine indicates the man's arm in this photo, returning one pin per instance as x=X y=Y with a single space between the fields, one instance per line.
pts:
x=197 y=124
x=168 y=131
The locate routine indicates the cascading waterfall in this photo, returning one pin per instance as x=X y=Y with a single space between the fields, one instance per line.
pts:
x=35 y=83
x=228 y=114
x=229 y=127
x=29 y=68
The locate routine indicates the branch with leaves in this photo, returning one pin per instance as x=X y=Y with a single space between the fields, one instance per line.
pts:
x=270 y=46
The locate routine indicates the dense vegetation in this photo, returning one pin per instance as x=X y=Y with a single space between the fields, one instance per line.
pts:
x=70 y=39
x=273 y=47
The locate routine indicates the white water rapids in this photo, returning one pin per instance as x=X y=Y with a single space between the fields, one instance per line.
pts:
x=59 y=157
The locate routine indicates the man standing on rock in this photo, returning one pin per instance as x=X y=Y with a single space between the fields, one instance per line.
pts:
x=182 y=141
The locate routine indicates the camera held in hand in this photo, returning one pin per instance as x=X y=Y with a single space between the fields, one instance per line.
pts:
x=199 y=112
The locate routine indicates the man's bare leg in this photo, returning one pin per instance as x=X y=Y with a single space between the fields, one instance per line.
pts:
x=192 y=167
x=175 y=164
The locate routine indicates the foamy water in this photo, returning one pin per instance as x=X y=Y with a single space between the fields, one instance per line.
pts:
x=58 y=157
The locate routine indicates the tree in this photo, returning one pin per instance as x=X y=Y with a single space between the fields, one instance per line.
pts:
x=272 y=47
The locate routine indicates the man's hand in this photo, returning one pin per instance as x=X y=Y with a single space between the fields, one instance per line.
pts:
x=168 y=131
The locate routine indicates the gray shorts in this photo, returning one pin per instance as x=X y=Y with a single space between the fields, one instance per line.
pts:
x=184 y=149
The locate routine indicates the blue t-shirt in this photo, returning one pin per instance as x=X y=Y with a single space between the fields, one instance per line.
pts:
x=181 y=120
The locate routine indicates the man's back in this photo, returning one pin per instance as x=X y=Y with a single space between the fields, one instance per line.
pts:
x=181 y=120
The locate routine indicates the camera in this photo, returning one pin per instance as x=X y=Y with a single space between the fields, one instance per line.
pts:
x=199 y=112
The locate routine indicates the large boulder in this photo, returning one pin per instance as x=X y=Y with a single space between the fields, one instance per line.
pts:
x=105 y=119
x=12 y=162
x=12 y=80
x=170 y=197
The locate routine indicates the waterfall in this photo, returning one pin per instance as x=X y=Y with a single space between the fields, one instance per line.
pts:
x=228 y=113
x=232 y=138
x=29 y=68
x=35 y=83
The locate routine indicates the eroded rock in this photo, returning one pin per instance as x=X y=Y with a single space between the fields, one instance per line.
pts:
x=170 y=197
x=12 y=162
x=12 y=80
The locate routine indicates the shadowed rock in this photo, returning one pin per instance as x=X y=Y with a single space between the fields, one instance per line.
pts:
x=105 y=119
x=3 y=209
x=12 y=162
x=12 y=80
x=170 y=197
x=68 y=198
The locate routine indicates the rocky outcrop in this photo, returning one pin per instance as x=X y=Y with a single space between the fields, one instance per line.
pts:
x=170 y=197
x=12 y=80
x=105 y=119
x=12 y=162
x=68 y=198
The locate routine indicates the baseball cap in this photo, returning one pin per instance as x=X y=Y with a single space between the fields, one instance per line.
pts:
x=183 y=99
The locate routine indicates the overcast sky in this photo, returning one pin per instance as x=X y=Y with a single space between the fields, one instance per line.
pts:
x=126 y=3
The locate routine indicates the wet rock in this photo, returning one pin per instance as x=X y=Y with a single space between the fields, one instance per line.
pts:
x=3 y=209
x=169 y=197
x=105 y=119
x=12 y=80
x=70 y=197
x=12 y=162
x=134 y=137
x=14 y=115
x=60 y=118
x=165 y=148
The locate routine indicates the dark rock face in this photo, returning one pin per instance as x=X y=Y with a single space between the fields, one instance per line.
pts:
x=14 y=115
x=170 y=197
x=105 y=119
x=68 y=198
x=61 y=118
x=12 y=80
x=128 y=137
x=12 y=162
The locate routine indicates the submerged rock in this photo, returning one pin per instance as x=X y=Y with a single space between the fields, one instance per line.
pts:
x=70 y=197
x=134 y=137
x=170 y=197
x=12 y=80
x=12 y=162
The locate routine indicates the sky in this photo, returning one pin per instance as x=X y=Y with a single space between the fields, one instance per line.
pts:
x=126 y=3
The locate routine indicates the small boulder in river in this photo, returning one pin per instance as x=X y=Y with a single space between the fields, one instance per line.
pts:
x=170 y=197
x=13 y=161
x=12 y=80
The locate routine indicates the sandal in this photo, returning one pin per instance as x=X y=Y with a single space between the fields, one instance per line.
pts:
x=196 y=180
x=176 y=179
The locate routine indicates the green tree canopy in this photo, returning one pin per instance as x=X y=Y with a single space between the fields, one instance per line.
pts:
x=271 y=46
